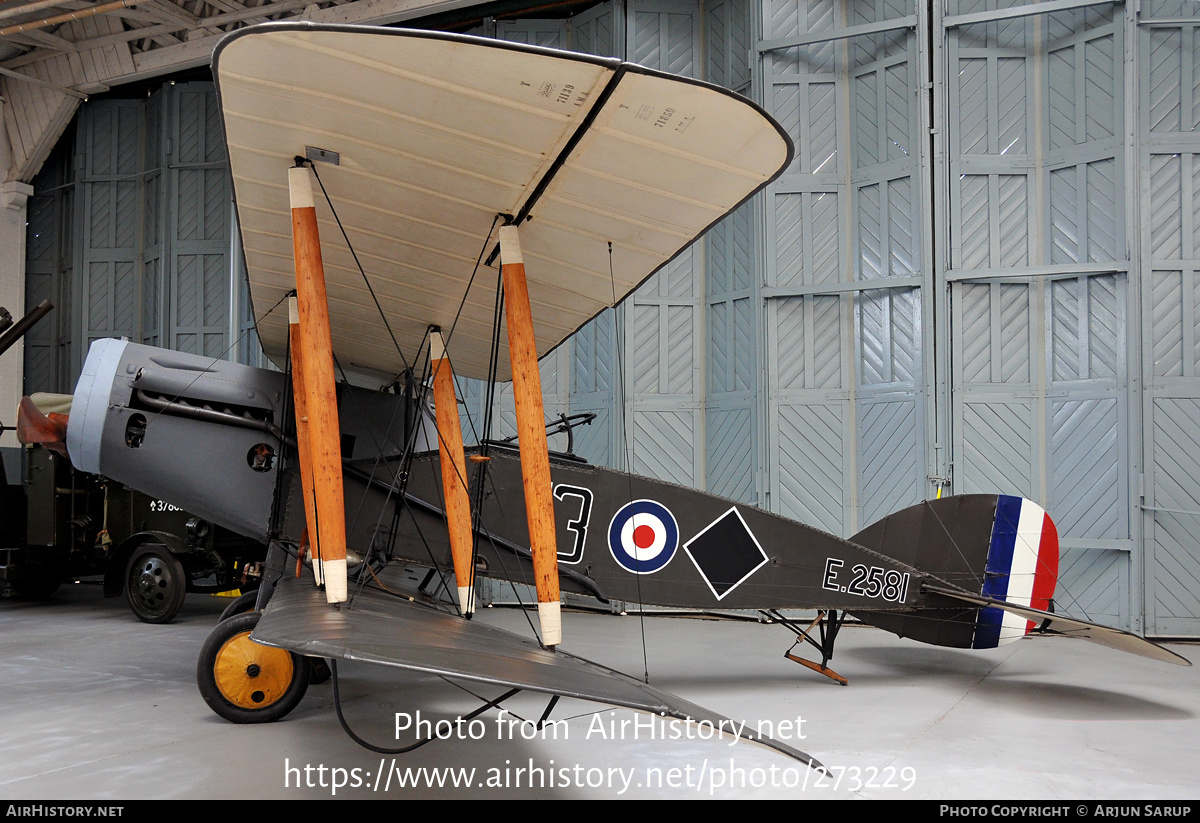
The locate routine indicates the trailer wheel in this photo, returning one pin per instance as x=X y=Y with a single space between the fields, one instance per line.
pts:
x=246 y=682
x=155 y=584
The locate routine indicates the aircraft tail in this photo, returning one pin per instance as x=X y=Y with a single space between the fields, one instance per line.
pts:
x=1074 y=627
x=994 y=547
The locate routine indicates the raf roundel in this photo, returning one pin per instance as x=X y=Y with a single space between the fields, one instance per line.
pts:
x=643 y=536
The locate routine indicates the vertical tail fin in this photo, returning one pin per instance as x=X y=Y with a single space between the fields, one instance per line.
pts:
x=998 y=546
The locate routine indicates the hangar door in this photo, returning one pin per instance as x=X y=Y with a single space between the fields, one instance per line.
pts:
x=847 y=264
x=1069 y=140
x=980 y=269
x=1168 y=133
x=639 y=368
x=1039 y=278
x=131 y=235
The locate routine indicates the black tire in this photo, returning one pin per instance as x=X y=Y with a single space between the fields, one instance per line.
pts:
x=320 y=671
x=155 y=584
x=244 y=602
x=246 y=682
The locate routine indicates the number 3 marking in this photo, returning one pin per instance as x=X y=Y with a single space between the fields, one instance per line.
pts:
x=579 y=525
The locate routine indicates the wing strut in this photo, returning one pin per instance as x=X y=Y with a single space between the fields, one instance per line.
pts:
x=454 y=470
x=300 y=401
x=531 y=434
x=314 y=367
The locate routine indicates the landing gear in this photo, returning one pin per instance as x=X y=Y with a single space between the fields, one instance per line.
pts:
x=245 y=682
x=155 y=584
x=241 y=604
x=318 y=669
x=828 y=624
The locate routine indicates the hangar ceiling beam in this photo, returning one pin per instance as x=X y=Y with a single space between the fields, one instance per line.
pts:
x=44 y=73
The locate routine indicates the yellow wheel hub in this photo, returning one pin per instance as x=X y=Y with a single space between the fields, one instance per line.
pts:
x=252 y=676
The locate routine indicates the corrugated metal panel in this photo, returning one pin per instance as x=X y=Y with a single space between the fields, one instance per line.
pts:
x=808 y=408
x=41 y=280
x=106 y=291
x=198 y=213
x=846 y=402
x=600 y=30
x=594 y=371
x=1040 y=368
x=550 y=34
x=48 y=271
x=154 y=237
x=1169 y=56
x=728 y=42
x=149 y=242
x=733 y=312
x=732 y=300
x=663 y=320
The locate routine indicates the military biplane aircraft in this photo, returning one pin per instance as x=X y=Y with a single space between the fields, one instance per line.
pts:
x=475 y=196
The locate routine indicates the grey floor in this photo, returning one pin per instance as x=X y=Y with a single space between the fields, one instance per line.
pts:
x=97 y=705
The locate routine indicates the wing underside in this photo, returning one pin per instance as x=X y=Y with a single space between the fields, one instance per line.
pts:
x=394 y=631
x=610 y=169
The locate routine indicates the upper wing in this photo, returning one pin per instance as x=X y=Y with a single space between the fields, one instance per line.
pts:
x=437 y=135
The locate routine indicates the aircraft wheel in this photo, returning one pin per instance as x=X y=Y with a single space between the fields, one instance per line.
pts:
x=155 y=584
x=246 y=682
x=244 y=602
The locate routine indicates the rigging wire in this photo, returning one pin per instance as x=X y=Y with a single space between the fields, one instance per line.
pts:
x=627 y=448
x=489 y=401
x=337 y=705
x=467 y=290
x=478 y=527
x=379 y=449
x=410 y=446
x=354 y=254
x=406 y=458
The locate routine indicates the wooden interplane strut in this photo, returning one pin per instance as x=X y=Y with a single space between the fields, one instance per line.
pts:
x=314 y=364
x=454 y=470
x=531 y=433
x=303 y=446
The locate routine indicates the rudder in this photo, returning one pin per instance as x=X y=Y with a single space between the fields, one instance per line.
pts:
x=999 y=546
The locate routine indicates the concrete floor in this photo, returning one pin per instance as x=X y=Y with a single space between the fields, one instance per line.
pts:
x=100 y=706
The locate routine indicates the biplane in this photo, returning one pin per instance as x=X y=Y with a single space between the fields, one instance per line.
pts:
x=412 y=204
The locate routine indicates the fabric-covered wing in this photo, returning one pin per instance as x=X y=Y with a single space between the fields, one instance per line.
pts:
x=437 y=135
x=394 y=631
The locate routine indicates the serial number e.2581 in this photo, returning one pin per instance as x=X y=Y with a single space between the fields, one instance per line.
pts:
x=890 y=585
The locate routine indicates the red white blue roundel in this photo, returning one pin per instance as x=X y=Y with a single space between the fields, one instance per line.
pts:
x=643 y=536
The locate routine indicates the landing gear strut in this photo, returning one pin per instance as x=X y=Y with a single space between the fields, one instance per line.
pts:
x=827 y=624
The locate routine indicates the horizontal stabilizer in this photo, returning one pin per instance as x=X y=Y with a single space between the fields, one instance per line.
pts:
x=1104 y=635
x=394 y=631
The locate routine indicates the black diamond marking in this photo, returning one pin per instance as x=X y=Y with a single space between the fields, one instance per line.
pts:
x=726 y=553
